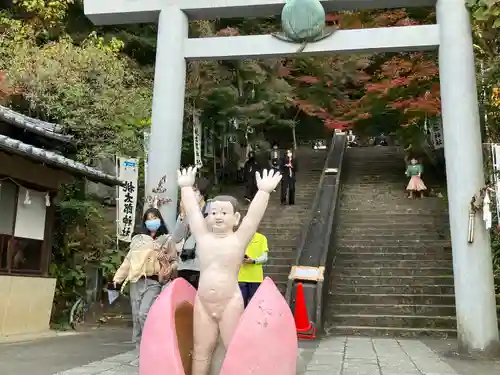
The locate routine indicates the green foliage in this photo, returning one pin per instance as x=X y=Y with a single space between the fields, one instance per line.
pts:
x=88 y=88
x=485 y=11
x=101 y=97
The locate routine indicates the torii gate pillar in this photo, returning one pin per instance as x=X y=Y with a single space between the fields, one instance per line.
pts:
x=165 y=141
x=472 y=263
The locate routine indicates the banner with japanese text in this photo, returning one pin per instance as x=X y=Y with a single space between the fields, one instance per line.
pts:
x=128 y=171
x=146 y=154
x=197 y=131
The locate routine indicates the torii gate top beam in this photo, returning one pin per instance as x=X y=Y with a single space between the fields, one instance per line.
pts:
x=115 y=12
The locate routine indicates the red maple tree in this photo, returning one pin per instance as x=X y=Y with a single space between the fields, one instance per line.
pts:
x=406 y=83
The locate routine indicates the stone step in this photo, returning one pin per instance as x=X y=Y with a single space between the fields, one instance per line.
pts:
x=392 y=271
x=277 y=268
x=390 y=241
x=281 y=286
x=388 y=208
x=390 y=189
x=373 y=220
x=352 y=203
x=392 y=228
x=392 y=236
x=281 y=261
x=392 y=280
x=424 y=248
x=284 y=226
x=282 y=252
x=389 y=230
x=397 y=217
x=278 y=277
x=363 y=262
x=390 y=256
x=389 y=289
x=392 y=309
x=395 y=321
x=373 y=331
x=399 y=299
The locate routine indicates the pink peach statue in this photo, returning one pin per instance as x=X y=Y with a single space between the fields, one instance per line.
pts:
x=184 y=326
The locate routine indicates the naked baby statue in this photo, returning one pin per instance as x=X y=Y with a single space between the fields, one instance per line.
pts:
x=218 y=305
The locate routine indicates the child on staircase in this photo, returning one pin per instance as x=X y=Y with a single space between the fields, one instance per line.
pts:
x=416 y=185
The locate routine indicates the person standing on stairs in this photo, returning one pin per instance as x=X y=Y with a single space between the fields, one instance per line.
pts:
x=416 y=185
x=251 y=167
x=251 y=273
x=351 y=139
x=288 y=171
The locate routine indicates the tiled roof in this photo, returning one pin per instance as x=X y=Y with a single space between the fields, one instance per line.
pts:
x=43 y=128
x=57 y=161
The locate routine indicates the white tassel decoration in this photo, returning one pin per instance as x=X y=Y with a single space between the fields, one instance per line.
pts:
x=27 y=199
x=47 y=200
x=487 y=210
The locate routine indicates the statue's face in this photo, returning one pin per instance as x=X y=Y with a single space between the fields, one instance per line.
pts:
x=221 y=217
x=289 y=153
x=413 y=161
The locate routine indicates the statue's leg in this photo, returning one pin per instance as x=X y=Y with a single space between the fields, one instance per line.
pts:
x=206 y=333
x=230 y=318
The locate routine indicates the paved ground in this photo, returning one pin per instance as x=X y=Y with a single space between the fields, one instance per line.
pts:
x=108 y=352
x=53 y=355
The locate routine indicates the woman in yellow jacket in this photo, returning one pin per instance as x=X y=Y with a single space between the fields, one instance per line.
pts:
x=251 y=272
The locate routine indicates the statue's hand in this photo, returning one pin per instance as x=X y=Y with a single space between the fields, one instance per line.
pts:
x=269 y=180
x=186 y=177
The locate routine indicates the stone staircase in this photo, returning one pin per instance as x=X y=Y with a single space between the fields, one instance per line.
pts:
x=282 y=225
x=393 y=270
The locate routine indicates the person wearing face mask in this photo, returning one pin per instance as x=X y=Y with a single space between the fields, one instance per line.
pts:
x=149 y=265
x=288 y=171
x=189 y=266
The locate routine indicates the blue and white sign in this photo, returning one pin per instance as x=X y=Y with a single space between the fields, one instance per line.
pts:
x=128 y=171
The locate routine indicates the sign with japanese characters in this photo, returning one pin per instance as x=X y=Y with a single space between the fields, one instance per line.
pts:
x=197 y=142
x=436 y=131
x=146 y=154
x=128 y=171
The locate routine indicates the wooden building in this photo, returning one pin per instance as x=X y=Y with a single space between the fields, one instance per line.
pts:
x=32 y=170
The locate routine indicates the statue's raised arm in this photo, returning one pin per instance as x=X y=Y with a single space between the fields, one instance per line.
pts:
x=186 y=179
x=249 y=225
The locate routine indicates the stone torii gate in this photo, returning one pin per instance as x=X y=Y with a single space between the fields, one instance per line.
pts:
x=472 y=264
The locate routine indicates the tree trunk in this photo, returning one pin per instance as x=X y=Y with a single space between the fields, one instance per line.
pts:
x=294 y=138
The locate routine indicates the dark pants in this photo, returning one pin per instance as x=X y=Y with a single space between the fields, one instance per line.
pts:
x=288 y=186
x=192 y=277
x=248 y=290
x=250 y=189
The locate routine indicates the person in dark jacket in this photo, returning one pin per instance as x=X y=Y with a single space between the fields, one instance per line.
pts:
x=251 y=167
x=289 y=168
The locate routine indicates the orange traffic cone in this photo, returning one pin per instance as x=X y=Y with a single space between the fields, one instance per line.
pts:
x=305 y=328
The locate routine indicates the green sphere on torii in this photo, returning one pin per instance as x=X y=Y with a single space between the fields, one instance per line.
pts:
x=303 y=21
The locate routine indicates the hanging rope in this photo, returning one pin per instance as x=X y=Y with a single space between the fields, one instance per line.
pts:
x=27 y=198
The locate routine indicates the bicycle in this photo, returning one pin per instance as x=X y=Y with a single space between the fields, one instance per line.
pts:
x=78 y=312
